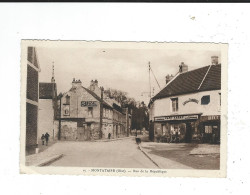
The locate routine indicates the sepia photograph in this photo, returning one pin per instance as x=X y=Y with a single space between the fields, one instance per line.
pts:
x=123 y=108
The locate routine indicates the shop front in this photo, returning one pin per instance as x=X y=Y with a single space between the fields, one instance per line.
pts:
x=187 y=128
x=210 y=129
x=176 y=128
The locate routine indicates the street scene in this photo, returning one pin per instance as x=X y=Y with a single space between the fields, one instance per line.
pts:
x=100 y=105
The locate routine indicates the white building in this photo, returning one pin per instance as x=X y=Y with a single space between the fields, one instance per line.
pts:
x=47 y=109
x=189 y=105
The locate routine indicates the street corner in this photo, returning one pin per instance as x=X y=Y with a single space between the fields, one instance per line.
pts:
x=205 y=149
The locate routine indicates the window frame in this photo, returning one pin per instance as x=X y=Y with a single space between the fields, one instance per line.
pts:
x=174 y=101
x=90 y=110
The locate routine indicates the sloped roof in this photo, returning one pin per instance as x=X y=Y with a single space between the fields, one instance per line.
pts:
x=46 y=90
x=97 y=97
x=201 y=79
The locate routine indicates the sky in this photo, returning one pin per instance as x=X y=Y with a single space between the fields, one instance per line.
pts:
x=124 y=69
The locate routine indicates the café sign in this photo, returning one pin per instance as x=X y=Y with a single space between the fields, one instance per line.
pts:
x=88 y=103
x=177 y=118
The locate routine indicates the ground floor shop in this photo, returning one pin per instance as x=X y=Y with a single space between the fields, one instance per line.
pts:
x=186 y=128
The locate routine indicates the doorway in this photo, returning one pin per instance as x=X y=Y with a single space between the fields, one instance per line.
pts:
x=188 y=135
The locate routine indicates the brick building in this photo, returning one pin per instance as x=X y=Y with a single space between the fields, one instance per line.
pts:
x=189 y=105
x=32 y=95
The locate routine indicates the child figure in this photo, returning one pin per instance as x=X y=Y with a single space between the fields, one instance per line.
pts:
x=43 y=139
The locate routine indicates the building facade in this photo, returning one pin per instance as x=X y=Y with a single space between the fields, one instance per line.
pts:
x=87 y=115
x=189 y=106
x=32 y=96
x=47 y=109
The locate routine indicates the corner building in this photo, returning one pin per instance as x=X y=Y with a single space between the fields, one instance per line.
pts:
x=86 y=115
x=189 y=105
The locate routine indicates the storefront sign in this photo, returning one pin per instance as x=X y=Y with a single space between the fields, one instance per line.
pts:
x=211 y=117
x=179 y=117
x=191 y=100
x=88 y=103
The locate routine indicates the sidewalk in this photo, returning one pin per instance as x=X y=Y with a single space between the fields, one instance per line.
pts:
x=205 y=149
x=182 y=155
x=43 y=158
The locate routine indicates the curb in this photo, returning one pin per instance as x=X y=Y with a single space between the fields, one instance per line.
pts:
x=147 y=155
x=204 y=154
x=111 y=140
x=49 y=161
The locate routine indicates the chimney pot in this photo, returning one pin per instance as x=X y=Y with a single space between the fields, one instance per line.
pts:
x=183 y=67
x=214 y=60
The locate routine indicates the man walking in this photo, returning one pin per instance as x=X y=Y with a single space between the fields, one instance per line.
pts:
x=46 y=138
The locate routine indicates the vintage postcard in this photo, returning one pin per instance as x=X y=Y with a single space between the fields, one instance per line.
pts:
x=123 y=108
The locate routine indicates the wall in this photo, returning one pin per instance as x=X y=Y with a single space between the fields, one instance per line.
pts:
x=46 y=118
x=68 y=130
x=76 y=110
x=31 y=125
x=162 y=107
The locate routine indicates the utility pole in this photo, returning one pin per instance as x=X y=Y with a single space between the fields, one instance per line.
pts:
x=60 y=110
x=149 y=80
x=101 y=113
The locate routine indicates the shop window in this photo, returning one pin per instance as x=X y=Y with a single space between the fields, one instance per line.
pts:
x=208 y=129
x=174 y=104
x=205 y=100
x=67 y=100
x=90 y=111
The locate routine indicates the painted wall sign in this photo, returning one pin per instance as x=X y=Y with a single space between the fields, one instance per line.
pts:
x=211 y=117
x=191 y=100
x=180 y=117
x=88 y=103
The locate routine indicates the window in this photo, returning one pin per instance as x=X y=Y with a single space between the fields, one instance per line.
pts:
x=174 y=104
x=205 y=100
x=66 y=110
x=90 y=111
x=220 y=98
x=208 y=129
x=67 y=100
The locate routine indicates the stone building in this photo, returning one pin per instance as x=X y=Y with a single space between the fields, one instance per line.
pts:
x=189 y=105
x=32 y=95
x=87 y=115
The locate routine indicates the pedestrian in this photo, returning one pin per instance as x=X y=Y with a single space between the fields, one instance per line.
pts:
x=176 y=136
x=43 y=139
x=109 y=135
x=46 y=138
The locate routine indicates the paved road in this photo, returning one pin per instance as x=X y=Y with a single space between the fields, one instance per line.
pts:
x=177 y=156
x=117 y=154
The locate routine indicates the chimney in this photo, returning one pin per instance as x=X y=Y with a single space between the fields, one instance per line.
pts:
x=169 y=78
x=183 y=67
x=76 y=83
x=214 y=60
x=93 y=85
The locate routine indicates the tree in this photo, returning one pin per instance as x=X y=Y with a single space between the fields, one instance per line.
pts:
x=138 y=110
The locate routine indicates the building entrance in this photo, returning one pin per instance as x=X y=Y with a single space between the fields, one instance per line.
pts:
x=188 y=134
